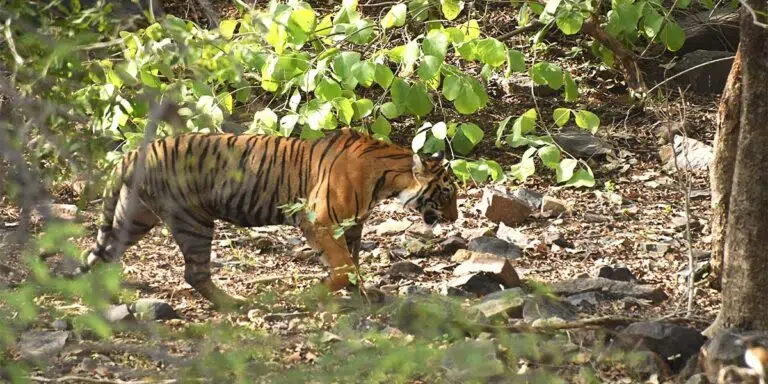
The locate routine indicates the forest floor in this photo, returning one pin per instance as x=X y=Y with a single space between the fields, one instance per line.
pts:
x=633 y=207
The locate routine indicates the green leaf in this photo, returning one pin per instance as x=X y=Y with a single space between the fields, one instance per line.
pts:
x=673 y=36
x=419 y=102
x=561 y=116
x=683 y=4
x=500 y=131
x=523 y=15
x=491 y=51
x=418 y=141
x=565 y=169
x=364 y=72
x=227 y=28
x=318 y=116
x=551 y=8
x=265 y=119
x=242 y=94
x=515 y=62
x=571 y=91
x=497 y=173
x=150 y=80
x=327 y=89
x=304 y=18
x=467 y=102
x=479 y=171
x=399 y=92
x=430 y=67
x=547 y=73
x=587 y=120
x=628 y=15
x=582 y=178
x=433 y=145
x=343 y=63
x=452 y=86
x=435 y=44
x=208 y=105
x=381 y=126
x=344 y=109
x=390 y=110
x=652 y=21
x=410 y=56
x=570 y=22
x=225 y=100
x=467 y=136
x=550 y=156
x=451 y=8
x=363 y=108
x=288 y=123
x=526 y=167
x=276 y=37
x=440 y=130
x=383 y=76
x=461 y=170
x=395 y=17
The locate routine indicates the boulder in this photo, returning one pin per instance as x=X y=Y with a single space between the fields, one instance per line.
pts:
x=501 y=207
x=610 y=288
x=495 y=246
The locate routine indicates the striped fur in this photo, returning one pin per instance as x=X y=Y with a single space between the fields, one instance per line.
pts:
x=190 y=180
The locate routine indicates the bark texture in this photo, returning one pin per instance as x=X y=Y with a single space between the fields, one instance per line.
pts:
x=745 y=262
x=721 y=174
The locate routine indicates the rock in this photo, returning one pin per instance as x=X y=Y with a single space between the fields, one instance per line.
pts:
x=414 y=290
x=391 y=226
x=518 y=84
x=153 y=309
x=673 y=343
x=452 y=244
x=433 y=316
x=716 y=29
x=691 y=154
x=557 y=238
x=582 y=144
x=533 y=198
x=659 y=249
x=65 y=212
x=707 y=79
x=586 y=302
x=416 y=248
x=42 y=344
x=544 y=307
x=725 y=349
x=492 y=264
x=495 y=246
x=618 y=273
x=610 y=288
x=62 y=325
x=508 y=302
x=117 y=313
x=368 y=245
x=477 y=284
x=701 y=270
x=404 y=269
x=553 y=206
x=381 y=255
x=501 y=207
x=512 y=235
x=472 y=361
x=698 y=378
x=461 y=256
x=679 y=222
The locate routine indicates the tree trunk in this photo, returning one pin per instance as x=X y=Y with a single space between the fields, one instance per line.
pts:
x=745 y=261
x=721 y=174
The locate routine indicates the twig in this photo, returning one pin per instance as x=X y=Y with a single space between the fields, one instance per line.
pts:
x=520 y=31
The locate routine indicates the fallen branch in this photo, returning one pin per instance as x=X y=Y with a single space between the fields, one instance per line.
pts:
x=520 y=31
x=595 y=322
x=270 y=279
x=624 y=56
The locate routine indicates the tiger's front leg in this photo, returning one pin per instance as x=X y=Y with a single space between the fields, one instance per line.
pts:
x=337 y=256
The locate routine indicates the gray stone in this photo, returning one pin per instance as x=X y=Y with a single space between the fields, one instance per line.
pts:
x=582 y=144
x=553 y=206
x=674 y=343
x=706 y=79
x=42 y=344
x=618 y=273
x=544 y=307
x=490 y=264
x=508 y=302
x=404 y=269
x=452 y=244
x=698 y=378
x=610 y=288
x=535 y=199
x=391 y=227
x=501 y=207
x=690 y=154
x=586 y=302
x=153 y=309
x=512 y=235
x=472 y=361
x=495 y=246
x=119 y=312
x=477 y=284
x=62 y=325
x=716 y=29
x=558 y=239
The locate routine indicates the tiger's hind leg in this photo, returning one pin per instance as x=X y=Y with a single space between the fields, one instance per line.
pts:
x=114 y=238
x=195 y=243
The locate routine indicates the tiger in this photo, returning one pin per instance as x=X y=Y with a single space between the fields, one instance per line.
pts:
x=192 y=179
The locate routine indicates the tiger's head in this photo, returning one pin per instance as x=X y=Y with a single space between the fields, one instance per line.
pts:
x=434 y=192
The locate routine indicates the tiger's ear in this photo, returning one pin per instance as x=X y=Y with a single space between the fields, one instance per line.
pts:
x=419 y=170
